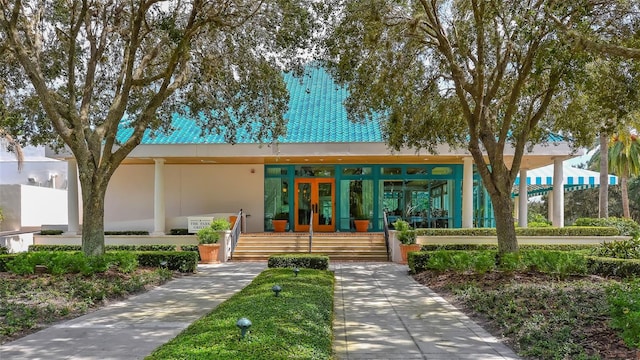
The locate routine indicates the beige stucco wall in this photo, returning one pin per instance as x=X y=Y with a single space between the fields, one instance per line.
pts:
x=26 y=206
x=189 y=190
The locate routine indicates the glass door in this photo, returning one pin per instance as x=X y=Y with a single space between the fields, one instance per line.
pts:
x=318 y=195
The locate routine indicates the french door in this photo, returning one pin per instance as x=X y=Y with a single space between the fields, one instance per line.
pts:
x=317 y=195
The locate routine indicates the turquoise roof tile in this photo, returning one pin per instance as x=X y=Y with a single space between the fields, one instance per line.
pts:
x=316 y=115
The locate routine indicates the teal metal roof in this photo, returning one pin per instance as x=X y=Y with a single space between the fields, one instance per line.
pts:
x=316 y=115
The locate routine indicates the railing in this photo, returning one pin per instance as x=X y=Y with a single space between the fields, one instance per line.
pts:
x=235 y=234
x=310 y=231
x=385 y=226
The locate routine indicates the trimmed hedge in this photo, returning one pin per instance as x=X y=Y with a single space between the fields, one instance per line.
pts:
x=64 y=262
x=44 y=247
x=562 y=247
x=3 y=250
x=182 y=261
x=562 y=263
x=627 y=227
x=604 y=266
x=539 y=231
x=51 y=232
x=189 y=248
x=4 y=260
x=126 y=232
x=179 y=231
x=308 y=261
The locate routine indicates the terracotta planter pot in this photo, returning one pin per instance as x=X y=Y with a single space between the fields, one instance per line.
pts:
x=279 y=225
x=209 y=253
x=361 y=225
x=405 y=249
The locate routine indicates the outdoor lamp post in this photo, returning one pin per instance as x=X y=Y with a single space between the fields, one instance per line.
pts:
x=276 y=289
x=296 y=271
x=244 y=324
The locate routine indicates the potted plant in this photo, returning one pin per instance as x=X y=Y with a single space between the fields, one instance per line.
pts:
x=280 y=222
x=407 y=238
x=361 y=223
x=208 y=239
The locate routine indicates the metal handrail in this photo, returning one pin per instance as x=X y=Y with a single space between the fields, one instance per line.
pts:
x=385 y=226
x=235 y=234
x=310 y=231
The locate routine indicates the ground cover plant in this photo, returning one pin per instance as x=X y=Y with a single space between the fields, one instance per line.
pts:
x=29 y=302
x=297 y=324
x=544 y=304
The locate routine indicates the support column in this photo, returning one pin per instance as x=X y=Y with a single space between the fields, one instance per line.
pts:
x=467 y=193
x=73 y=209
x=550 y=206
x=558 y=193
x=158 y=198
x=523 y=199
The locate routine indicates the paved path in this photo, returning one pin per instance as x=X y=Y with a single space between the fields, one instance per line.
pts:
x=382 y=313
x=133 y=328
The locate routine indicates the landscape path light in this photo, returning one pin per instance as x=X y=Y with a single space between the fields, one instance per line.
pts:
x=244 y=324
x=276 y=289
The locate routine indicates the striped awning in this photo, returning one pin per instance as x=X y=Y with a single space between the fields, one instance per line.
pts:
x=540 y=181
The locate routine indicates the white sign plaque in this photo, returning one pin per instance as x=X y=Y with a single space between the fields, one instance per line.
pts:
x=198 y=222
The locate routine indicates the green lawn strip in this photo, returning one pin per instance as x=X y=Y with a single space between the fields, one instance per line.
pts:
x=295 y=325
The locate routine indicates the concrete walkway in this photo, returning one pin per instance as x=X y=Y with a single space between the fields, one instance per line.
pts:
x=133 y=328
x=382 y=313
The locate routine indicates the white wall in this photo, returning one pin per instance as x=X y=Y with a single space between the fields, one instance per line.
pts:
x=26 y=206
x=36 y=167
x=189 y=190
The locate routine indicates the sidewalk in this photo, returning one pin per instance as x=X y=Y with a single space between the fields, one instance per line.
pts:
x=382 y=313
x=133 y=328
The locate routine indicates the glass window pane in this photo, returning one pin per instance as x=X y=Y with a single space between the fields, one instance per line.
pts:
x=391 y=171
x=356 y=171
x=304 y=203
x=315 y=171
x=416 y=170
x=276 y=199
x=325 y=203
x=274 y=171
x=441 y=170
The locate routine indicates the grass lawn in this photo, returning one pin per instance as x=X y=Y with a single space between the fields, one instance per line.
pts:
x=31 y=302
x=295 y=325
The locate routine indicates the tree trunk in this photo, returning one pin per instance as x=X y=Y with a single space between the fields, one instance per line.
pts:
x=94 y=189
x=624 y=189
x=505 y=227
x=604 y=176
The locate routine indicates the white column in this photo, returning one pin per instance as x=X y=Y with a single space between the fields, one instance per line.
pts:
x=523 y=199
x=550 y=205
x=73 y=210
x=558 y=193
x=467 y=193
x=158 y=198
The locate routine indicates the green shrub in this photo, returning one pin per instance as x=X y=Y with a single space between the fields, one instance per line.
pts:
x=418 y=261
x=4 y=260
x=179 y=231
x=295 y=325
x=536 y=224
x=534 y=231
x=51 y=232
x=624 y=306
x=619 y=249
x=182 y=261
x=605 y=266
x=562 y=247
x=127 y=232
x=160 y=247
x=189 y=248
x=220 y=224
x=307 y=261
x=3 y=250
x=60 y=262
x=535 y=218
x=560 y=263
x=626 y=227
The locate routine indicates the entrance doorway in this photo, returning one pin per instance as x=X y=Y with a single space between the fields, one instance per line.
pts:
x=317 y=194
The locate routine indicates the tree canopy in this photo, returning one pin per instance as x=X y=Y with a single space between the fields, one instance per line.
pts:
x=83 y=69
x=483 y=75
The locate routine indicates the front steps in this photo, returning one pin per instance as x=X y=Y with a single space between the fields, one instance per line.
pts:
x=338 y=246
